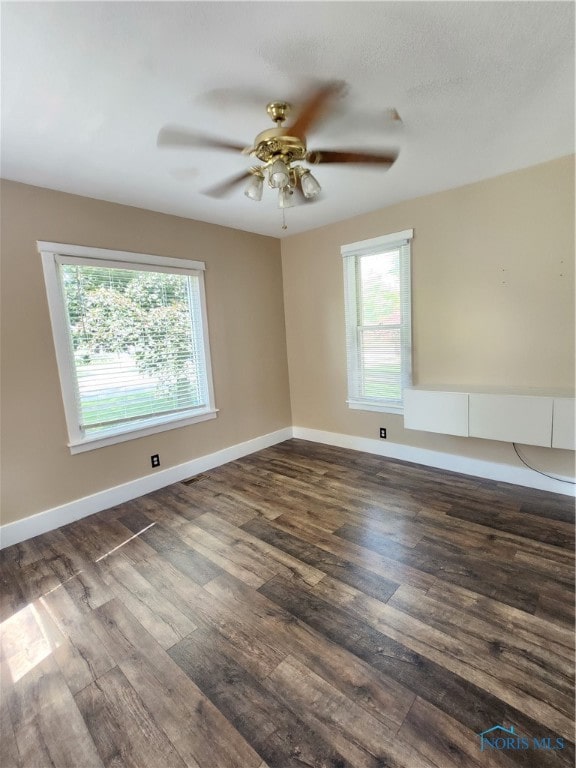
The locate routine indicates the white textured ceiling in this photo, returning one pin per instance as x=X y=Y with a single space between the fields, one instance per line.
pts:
x=482 y=87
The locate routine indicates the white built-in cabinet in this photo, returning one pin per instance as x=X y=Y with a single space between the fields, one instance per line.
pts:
x=432 y=411
x=528 y=418
x=564 y=423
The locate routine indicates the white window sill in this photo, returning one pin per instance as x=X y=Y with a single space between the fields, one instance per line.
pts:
x=92 y=443
x=367 y=405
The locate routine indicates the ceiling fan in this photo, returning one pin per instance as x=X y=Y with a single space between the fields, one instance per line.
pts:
x=281 y=150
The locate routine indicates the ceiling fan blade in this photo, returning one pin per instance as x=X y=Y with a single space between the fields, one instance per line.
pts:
x=176 y=137
x=314 y=107
x=228 y=186
x=344 y=156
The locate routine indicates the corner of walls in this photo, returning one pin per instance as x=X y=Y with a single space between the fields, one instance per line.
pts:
x=42 y=522
x=283 y=243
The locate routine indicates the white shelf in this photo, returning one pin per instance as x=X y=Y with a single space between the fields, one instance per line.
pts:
x=563 y=423
x=511 y=418
x=431 y=411
x=528 y=417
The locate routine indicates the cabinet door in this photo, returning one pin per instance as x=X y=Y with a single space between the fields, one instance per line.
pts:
x=563 y=423
x=522 y=419
x=443 y=412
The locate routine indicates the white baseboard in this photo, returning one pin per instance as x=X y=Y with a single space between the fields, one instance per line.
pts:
x=489 y=470
x=13 y=533
x=20 y=530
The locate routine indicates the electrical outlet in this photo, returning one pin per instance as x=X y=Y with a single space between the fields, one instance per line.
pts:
x=383 y=433
x=155 y=460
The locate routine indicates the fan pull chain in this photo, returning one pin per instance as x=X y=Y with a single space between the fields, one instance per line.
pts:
x=284 y=225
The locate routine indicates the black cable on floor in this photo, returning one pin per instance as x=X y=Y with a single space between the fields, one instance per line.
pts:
x=552 y=477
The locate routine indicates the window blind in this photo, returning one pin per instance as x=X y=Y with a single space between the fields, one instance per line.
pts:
x=378 y=320
x=135 y=342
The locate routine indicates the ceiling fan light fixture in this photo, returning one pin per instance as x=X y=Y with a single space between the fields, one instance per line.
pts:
x=280 y=151
x=309 y=184
x=255 y=186
x=278 y=174
x=285 y=197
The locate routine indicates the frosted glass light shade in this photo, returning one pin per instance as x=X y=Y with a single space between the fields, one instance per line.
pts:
x=254 y=187
x=278 y=174
x=310 y=186
x=285 y=198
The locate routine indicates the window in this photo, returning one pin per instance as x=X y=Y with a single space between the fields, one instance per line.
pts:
x=131 y=342
x=378 y=335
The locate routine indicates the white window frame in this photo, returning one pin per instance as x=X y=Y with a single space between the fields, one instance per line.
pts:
x=54 y=254
x=351 y=254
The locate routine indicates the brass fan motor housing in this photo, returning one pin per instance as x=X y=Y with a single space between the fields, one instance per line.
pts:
x=278 y=111
x=276 y=143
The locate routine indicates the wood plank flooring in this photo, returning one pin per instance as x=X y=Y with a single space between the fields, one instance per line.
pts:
x=305 y=606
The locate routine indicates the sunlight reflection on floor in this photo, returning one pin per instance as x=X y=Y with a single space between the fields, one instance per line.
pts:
x=124 y=542
x=33 y=633
x=28 y=637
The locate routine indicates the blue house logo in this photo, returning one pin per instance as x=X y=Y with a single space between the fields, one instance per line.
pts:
x=498 y=737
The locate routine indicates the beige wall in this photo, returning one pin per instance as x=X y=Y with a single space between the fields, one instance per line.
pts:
x=493 y=303
x=247 y=336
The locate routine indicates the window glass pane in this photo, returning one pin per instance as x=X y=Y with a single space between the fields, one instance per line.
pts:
x=381 y=363
x=378 y=321
x=137 y=344
x=380 y=288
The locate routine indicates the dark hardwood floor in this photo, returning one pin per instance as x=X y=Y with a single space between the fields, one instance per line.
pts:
x=305 y=606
